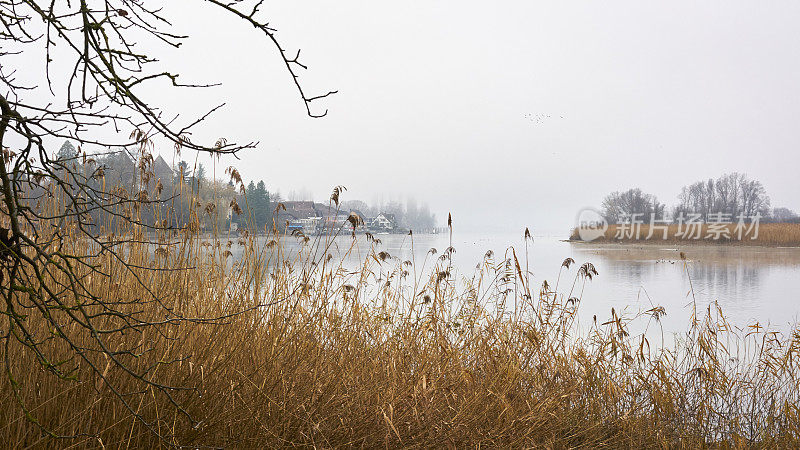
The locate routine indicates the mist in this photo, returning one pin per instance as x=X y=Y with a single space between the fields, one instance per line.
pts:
x=507 y=115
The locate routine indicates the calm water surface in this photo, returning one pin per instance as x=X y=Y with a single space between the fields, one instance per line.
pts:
x=752 y=284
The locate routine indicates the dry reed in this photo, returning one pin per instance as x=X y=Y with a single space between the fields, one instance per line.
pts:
x=769 y=234
x=397 y=353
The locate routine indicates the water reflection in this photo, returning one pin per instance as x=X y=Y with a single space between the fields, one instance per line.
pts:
x=752 y=284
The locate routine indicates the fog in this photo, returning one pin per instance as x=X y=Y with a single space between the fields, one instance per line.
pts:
x=508 y=114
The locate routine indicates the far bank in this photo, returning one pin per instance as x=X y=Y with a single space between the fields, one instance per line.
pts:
x=764 y=234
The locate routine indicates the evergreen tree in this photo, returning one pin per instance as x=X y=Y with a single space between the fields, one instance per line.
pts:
x=67 y=151
x=201 y=175
x=183 y=171
x=261 y=205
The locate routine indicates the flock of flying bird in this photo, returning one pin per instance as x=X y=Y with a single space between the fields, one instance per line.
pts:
x=541 y=118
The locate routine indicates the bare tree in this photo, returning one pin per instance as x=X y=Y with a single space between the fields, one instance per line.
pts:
x=619 y=206
x=785 y=215
x=731 y=194
x=754 y=199
x=91 y=89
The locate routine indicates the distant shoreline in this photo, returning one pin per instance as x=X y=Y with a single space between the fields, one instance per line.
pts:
x=770 y=235
x=678 y=243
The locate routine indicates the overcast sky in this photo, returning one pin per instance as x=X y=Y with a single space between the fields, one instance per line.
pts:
x=509 y=113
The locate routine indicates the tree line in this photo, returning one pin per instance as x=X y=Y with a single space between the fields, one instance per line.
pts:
x=221 y=203
x=411 y=215
x=732 y=196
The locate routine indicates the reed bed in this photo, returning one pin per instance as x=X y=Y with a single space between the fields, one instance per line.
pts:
x=283 y=348
x=769 y=234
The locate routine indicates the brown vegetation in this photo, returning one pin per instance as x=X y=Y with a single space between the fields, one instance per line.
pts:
x=399 y=353
x=769 y=234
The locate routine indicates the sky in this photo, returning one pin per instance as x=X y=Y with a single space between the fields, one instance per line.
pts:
x=507 y=114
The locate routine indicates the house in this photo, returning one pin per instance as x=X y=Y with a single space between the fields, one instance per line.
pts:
x=334 y=220
x=308 y=217
x=119 y=169
x=383 y=222
x=315 y=218
x=308 y=226
x=291 y=227
x=363 y=225
x=162 y=171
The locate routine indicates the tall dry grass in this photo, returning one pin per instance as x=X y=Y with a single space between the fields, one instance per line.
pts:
x=397 y=353
x=769 y=234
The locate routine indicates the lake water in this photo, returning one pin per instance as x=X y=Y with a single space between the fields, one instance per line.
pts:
x=751 y=284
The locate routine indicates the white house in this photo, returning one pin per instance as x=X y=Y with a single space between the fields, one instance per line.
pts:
x=384 y=222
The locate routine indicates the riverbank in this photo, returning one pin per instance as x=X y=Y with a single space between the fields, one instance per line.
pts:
x=309 y=354
x=764 y=234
